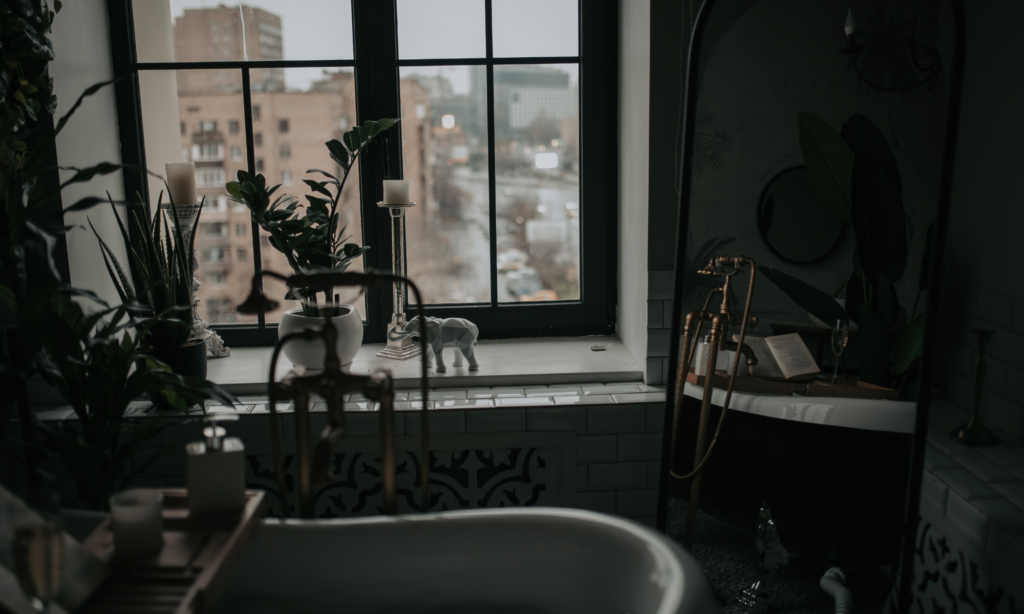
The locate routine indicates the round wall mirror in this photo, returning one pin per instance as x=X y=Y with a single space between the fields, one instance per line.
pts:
x=793 y=222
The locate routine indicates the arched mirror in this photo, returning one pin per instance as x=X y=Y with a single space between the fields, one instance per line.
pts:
x=792 y=222
x=816 y=156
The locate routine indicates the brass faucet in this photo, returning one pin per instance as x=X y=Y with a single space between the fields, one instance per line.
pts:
x=720 y=322
x=333 y=384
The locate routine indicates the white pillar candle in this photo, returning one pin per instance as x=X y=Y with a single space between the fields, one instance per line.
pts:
x=396 y=191
x=181 y=179
x=137 y=518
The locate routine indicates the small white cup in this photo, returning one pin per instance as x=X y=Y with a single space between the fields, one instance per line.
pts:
x=137 y=517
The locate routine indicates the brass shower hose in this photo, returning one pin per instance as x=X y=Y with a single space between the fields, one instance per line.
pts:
x=686 y=355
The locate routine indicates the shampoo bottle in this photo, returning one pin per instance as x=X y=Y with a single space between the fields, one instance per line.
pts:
x=216 y=470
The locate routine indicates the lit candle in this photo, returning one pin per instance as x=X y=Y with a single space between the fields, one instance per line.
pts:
x=137 y=517
x=851 y=26
x=396 y=191
x=181 y=180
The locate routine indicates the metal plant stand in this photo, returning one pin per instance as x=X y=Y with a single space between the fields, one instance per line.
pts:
x=186 y=215
x=400 y=345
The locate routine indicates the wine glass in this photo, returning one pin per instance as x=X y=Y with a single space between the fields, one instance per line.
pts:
x=840 y=337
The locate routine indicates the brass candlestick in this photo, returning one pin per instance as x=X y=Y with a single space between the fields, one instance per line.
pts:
x=974 y=433
x=400 y=345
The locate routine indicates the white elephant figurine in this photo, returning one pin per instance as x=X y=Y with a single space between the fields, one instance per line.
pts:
x=448 y=333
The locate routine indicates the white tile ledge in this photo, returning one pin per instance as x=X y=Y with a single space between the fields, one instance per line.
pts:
x=513 y=363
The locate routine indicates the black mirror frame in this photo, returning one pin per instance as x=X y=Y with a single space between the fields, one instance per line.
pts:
x=905 y=575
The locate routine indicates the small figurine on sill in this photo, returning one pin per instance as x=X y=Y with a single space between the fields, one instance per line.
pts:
x=448 y=333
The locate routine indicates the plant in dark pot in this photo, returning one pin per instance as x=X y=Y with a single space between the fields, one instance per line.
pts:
x=158 y=287
x=314 y=241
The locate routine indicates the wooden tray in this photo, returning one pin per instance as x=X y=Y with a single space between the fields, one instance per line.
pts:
x=190 y=571
x=850 y=389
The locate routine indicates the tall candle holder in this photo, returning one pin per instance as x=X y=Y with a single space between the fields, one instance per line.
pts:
x=399 y=346
x=186 y=216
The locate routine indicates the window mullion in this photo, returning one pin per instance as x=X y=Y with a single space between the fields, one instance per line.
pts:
x=250 y=156
x=492 y=198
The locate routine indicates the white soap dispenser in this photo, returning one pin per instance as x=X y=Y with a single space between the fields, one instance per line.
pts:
x=216 y=470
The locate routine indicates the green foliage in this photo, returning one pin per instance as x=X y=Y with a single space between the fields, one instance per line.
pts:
x=829 y=161
x=312 y=239
x=88 y=358
x=89 y=361
x=161 y=274
x=856 y=177
x=816 y=302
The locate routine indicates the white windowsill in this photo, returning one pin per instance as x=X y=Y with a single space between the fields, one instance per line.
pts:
x=512 y=362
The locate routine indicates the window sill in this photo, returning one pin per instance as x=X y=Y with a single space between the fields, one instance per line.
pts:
x=507 y=362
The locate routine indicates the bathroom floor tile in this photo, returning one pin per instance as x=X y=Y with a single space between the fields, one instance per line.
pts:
x=985 y=469
x=502 y=393
x=967 y=484
x=437 y=395
x=1013 y=491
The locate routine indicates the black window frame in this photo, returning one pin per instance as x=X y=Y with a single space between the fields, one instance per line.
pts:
x=376 y=66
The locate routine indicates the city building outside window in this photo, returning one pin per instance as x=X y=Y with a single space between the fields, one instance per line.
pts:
x=490 y=101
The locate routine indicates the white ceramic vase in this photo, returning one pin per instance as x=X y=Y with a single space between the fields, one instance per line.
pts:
x=310 y=354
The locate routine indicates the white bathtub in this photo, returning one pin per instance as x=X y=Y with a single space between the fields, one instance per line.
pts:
x=508 y=561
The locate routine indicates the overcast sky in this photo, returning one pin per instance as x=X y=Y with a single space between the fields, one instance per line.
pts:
x=322 y=29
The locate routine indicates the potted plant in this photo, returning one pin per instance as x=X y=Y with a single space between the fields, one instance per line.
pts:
x=855 y=175
x=87 y=357
x=313 y=241
x=160 y=285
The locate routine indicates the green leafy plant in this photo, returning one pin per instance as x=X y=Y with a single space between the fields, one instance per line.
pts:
x=161 y=273
x=89 y=358
x=88 y=361
x=856 y=177
x=313 y=240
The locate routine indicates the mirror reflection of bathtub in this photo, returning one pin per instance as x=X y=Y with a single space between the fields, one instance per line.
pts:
x=533 y=560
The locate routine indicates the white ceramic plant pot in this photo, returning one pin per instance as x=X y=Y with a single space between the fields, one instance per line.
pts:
x=310 y=354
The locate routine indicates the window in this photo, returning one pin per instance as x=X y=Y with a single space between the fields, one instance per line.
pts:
x=209 y=177
x=214 y=229
x=217 y=279
x=215 y=255
x=515 y=223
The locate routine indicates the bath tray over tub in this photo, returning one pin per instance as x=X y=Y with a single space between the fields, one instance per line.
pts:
x=847 y=388
x=187 y=575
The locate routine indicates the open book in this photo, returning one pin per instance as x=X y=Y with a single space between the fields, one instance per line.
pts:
x=782 y=357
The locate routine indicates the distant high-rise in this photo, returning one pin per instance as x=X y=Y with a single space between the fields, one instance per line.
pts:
x=220 y=34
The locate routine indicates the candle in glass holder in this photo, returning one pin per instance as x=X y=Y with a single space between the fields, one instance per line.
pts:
x=181 y=180
x=137 y=518
x=396 y=191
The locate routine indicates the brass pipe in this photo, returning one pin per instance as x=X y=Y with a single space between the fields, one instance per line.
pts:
x=719 y=331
